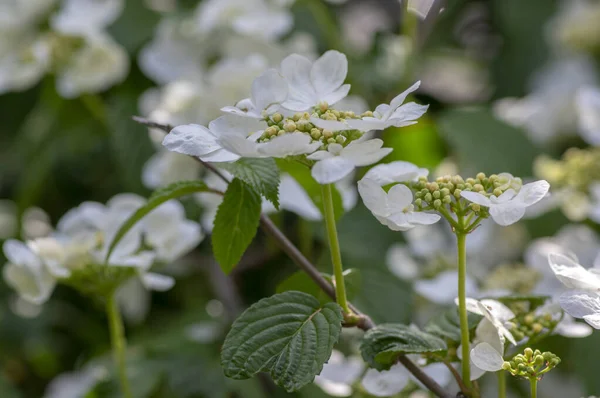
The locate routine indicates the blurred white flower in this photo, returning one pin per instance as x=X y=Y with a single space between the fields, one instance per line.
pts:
x=23 y=62
x=393 y=208
x=588 y=110
x=337 y=161
x=339 y=374
x=361 y=21
x=165 y=168
x=443 y=289
x=20 y=14
x=76 y=384
x=98 y=65
x=86 y=17
x=398 y=171
x=509 y=207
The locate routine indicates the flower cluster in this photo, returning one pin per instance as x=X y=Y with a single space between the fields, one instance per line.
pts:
x=531 y=364
x=76 y=47
x=289 y=114
x=75 y=253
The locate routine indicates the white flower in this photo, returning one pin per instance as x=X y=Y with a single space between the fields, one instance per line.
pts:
x=165 y=168
x=311 y=83
x=399 y=171
x=400 y=263
x=23 y=66
x=100 y=64
x=584 y=300
x=443 y=289
x=568 y=326
x=510 y=207
x=486 y=357
x=339 y=374
x=394 y=114
x=76 y=384
x=587 y=101
x=393 y=208
x=26 y=273
x=83 y=17
x=337 y=161
x=268 y=91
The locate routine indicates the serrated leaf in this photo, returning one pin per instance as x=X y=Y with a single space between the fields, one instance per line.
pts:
x=175 y=190
x=302 y=175
x=382 y=345
x=261 y=174
x=235 y=224
x=300 y=281
x=447 y=324
x=288 y=335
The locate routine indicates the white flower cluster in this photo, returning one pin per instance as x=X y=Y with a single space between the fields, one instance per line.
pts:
x=81 y=240
x=76 y=47
x=288 y=114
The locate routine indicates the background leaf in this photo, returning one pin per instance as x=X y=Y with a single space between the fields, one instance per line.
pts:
x=235 y=224
x=261 y=174
x=288 y=335
x=447 y=324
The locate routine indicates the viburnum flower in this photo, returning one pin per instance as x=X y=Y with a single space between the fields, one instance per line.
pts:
x=399 y=171
x=588 y=109
x=393 y=208
x=337 y=161
x=313 y=83
x=509 y=207
x=268 y=91
x=394 y=114
x=584 y=300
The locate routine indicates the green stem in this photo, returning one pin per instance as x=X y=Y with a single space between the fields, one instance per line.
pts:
x=533 y=382
x=334 y=247
x=305 y=237
x=501 y=384
x=462 y=307
x=117 y=337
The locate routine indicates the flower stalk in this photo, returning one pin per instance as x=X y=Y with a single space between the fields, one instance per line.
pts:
x=334 y=248
x=501 y=384
x=462 y=307
x=118 y=342
x=533 y=383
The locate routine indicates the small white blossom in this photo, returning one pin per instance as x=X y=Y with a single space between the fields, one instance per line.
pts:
x=587 y=101
x=337 y=161
x=394 y=114
x=398 y=171
x=84 y=17
x=510 y=207
x=311 y=83
x=393 y=208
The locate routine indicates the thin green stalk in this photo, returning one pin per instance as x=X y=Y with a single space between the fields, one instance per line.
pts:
x=462 y=307
x=118 y=342
x=305 y=237
x=533 y=383
x=501 y=384
x=334 y=248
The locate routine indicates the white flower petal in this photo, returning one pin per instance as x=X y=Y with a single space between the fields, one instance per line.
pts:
x=444 y=287
x=571 y=274
x=191 y=139
x=293 y=197
x=399 y=99
x=332 y=125
x=365 y=153
x=533 y=192
x=407 y=113
x=385 y=383
x=18 y=253
x=507 y=214
x=329 y=72
x=499 y=310
x=268 y=89
x=337 y=95
x=422 y=218
x=476 y=198
x=331 y=170
x=233 y=124
x=579 y=303
x=296 y=70
x=320 y=155
x=587 y=101
x=367 y=124
x=158 y=282
x=568 y=327
x=593 y=320
x=239 y=145
x=398 y=171
x=399 y=197
x=373 y=196
x=485 y=357
x=288 y=145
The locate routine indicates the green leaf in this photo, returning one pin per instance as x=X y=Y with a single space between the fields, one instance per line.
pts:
x=288 y=335
x=382 y=345
x=486 y=144
x=236 y=223
x=300 y=281
x=447 y=324
x=175 y=190
x=261 y=174
x=302 y=175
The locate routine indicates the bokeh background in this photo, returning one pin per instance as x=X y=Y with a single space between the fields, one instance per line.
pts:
x=501 y=78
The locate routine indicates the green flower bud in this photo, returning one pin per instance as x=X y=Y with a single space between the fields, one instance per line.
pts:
x=428 y=198
x=447 y=200
x=471 y=181
x=478 y=188
x=537 y=328
x=480 y=176
x=418 y=202
x=367 y=114
x=518 y=359
x=289 y=127
x=340 y=139
x=315 y=133
x=506 y=366
x=457 y=193
x=327 y=134
x=323 y=106
x=460 y=186
x=331 y=140
x=528 y=353
x=445 y=191
x=497 y=192
x=280 y=133
x=529 y=318
x=437 y=203
x=475 y=207
x=434 y=186
x=271 y=131
x=277 y=117
x=437 y=194
x=538 y=360
x=297 y=116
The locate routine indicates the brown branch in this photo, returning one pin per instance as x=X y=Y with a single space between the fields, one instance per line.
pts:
x=365 y=323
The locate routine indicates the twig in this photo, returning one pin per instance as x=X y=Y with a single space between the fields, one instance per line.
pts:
x=303 y=263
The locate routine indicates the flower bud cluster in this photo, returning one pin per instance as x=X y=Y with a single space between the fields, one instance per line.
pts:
x=300 y=122
x=577 y=169
x=531 y=364
x=516 y=278
x=445 y=192
x=531 y=324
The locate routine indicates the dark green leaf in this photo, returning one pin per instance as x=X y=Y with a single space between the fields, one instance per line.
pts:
x=382 y=345
x=261 y=174
x=235 y=224
x=447 y=324
x=175 y=190
x=302 y=175
x=289 y=335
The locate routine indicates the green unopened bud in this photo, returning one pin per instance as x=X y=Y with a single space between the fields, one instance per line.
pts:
x=457 y=193
x=518 y=359
x=518 y=335
x=290 y=126
x=538 y=360
x=327 y=134
x=418 y=202
x=522 y=367
x=280 y=132
x=480 y=176
x=303 y=125
x=460 y=186
x=367 y=114
x=437 y=194
x=340 y=139
x=445 y=191
x=528 y=353
x=447 y=200
x=271 y=131
x=331 y=140
x=470 y=181
x=475 y=207
x=497 y=192
x=315 y=133
x=437 y=203
x=297 y=116
x=478 y=188
x=529 y=319
x=323 y=106
x=428 y=198
x=537 y=328
x=434 y=186
x=277 y=117
x=506 y=366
